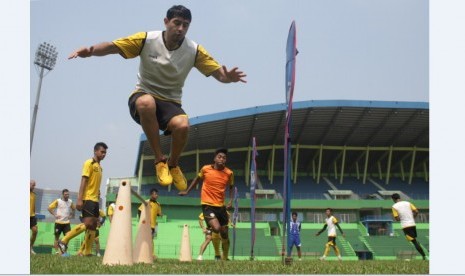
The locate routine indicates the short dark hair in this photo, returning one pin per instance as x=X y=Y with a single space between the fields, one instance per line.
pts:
x=99 y=145
x=64 y=191
x=395 y=196
x=179 y=11
x=222 y=150
x=294 y=213
x=331 y=210
x=153 y=190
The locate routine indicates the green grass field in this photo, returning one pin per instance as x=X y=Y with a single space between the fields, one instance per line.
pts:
x=54 y=264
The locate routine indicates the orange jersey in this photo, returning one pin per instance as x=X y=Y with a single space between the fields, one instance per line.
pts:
x=214 y=184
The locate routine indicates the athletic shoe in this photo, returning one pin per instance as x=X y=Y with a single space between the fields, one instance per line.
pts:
x=300 y=259
x=62 y=246
x=98 y=255
x=179 y=180
x=200 y=258
x=33 y=252
x=339 y=258
x=322 y=258
x=65 y=254
x=217 y=258
x=163 y=173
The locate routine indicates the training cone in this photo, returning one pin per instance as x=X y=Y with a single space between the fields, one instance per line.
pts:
x=119 y=244
x=185 y=252
x=143 y=246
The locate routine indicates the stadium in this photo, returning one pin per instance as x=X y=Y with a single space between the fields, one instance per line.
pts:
x=350 y=156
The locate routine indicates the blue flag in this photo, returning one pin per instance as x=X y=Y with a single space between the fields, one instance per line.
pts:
x=253 y=183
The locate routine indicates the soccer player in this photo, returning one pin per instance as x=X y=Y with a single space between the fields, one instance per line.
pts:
x=216 y=178
x=88 y=199
x=62 y=209
x=331 y=223
x=111 y=210
x=155 y=212
x=166 y=58
x=405 y=212
x=295 y=226
x=32 y=213
x=215 y=238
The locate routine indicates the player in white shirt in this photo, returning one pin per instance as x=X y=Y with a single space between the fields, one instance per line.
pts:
x=405 y=212
x=331 y=223
x=64 y=210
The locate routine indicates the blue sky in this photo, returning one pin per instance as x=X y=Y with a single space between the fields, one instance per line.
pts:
x=348 y=50
x=352 y=49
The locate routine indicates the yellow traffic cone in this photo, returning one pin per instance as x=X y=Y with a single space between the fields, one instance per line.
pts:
x=143 y=245
x=119 y=244
x=185 y=252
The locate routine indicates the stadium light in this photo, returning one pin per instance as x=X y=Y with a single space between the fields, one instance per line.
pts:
x=45 y=58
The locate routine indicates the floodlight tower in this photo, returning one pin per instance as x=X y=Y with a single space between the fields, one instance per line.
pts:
x=46 y=57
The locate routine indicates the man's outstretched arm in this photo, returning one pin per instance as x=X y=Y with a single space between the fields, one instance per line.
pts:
x=100 y=49
x=223 y=75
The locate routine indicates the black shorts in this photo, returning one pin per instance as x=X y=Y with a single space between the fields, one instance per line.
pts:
x=410 y=232
x=333 y=240
x=212 y=212
x=33 y=222
x=165 y=111
x=62 y=228
x=90 y=209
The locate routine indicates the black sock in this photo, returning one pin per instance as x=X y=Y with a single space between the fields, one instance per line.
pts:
x=419 y=249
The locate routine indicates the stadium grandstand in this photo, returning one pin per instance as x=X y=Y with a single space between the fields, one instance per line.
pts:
x=347 y=155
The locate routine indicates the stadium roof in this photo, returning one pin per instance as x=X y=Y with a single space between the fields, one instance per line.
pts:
x=329 y=123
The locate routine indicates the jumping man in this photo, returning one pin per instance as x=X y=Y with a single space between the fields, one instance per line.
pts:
x=166 y=58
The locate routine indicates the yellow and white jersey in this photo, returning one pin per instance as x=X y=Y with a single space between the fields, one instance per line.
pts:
x=331 y=223
x=111 y=209
x=63 y=210
x=404 y=210
x=162 y=72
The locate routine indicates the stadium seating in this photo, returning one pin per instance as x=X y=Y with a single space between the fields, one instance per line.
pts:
x=418 y=189
x=364 y=191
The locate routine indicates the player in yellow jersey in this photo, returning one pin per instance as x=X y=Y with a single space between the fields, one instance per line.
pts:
x=216 y=179
x=166 y=58
x=155 y=212
x=62 y=209
x=32 y=214
x=88 y=199
x=331 y=223
x=405 y=212
x=111 y=208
